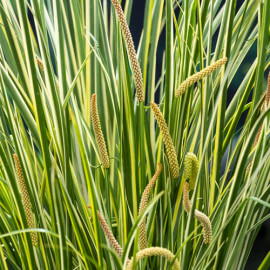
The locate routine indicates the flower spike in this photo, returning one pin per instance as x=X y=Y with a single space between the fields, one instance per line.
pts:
x=98 y=133
x=40 y=63
x=205 y=221
x=198 y=76
x=27 y=206
x=267 y=96
x=167 y=140
x=264 y=106
x=135 y=66
x=155 y=251
x=191 y=167
x=143 y=203
x=107 y=231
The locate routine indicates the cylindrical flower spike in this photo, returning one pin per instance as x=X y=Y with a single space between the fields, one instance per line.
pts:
x=191 y=168
x=198 y=76
x=27 y=206
x=207 y=228
x=265 y=101
x=258 y=135
x=205 y=221
x=264 y=106
x=135 y=66
x=167 y=140
x=107 y=231
x=186 y=202
x=143 y=203
x=40 y=63
x=98 y=133
x=155 y=251
x=267 y=94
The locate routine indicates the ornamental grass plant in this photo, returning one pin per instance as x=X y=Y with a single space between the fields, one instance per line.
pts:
x=90 y=119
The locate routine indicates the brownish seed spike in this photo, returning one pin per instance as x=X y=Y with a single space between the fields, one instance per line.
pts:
x=205 y=221
x=98 y=133
x=198 y=76
x=107 y=231
x=27 y=206
x=40 y=63
x=135 y=66
x=263 y=106
x=155 y=251
x=167 y=140
x=186 y=202
x=143 y=203
x=267 y=95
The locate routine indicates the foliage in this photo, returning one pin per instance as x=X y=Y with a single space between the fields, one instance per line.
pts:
x=45 y=118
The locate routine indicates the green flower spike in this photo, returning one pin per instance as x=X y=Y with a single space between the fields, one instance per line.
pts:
x=191 y=168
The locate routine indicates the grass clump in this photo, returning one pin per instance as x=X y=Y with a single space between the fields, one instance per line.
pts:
x=73 y=89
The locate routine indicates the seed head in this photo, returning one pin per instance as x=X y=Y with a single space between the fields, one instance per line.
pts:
x=109 y=235
x=143 y=203
x=205 y=221
x=186 y=202
x=98 y=133
x=264 y=106
x=155 y=251
x=207 y=227
x=135 y=66
x=27 y=206
x=191 y=168
x=167 y=140
x=198 y=76
x=267 y=94
x=40 y=63
x=258 y=135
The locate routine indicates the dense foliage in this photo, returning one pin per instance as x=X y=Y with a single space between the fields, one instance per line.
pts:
x=54 y=55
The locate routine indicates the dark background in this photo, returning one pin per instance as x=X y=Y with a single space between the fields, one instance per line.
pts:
x=262 y=243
